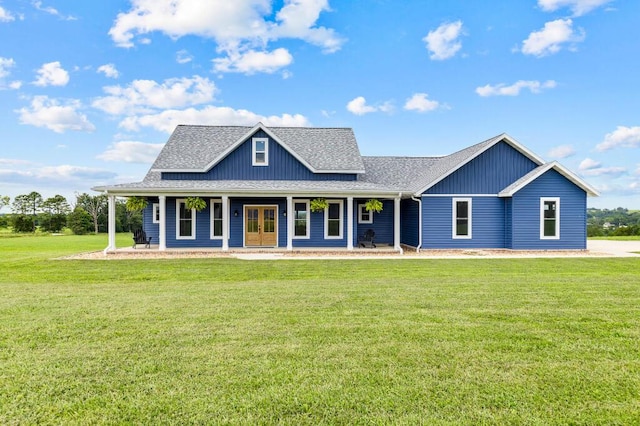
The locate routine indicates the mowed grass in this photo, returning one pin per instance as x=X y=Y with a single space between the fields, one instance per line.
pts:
x=224 y=341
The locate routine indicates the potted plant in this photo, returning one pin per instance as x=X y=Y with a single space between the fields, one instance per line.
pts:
x=196 y=203
x=373 y=205
x=135 y=204
x=318 y=204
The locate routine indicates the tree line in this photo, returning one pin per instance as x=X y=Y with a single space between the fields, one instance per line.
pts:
x=616 y=222
x=88 y=214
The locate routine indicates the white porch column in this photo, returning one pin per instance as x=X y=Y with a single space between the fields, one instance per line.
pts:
x=225 y=223
x=396 y=224
x=290 y=218
x=162 y=226
x=349 y=223
x=111 y=224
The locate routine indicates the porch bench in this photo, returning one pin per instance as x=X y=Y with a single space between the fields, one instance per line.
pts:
x=366 y=240
x=140 y=237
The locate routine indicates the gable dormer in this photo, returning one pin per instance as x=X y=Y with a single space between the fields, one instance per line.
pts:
x=259 y=153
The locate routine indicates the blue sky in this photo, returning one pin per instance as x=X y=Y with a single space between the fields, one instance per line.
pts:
x=90 y=91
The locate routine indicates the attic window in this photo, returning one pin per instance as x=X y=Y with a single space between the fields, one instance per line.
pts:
x=260 y=151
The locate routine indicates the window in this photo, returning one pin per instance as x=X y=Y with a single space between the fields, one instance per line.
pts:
x=301 y=219
x=333 y=220
x=216 y=219
x=364 y=216
x=461 y=218
x=549 y=218
x=185 y=222
x=260 y=151
x=156 y=213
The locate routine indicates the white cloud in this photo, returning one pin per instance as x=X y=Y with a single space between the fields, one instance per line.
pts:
x=5 y=64
x=183 y=57
x=588 y=164
x=419 y=102
x=52 y=74
x=56 y=116
x=358 y=106
x=589 y=167
x=132 y=152
x=562 y=151
x=622 y=137
x=578 y=7
x=166 y=121
x=443 y=42
x=238 y=27
x=5 y=15
x=52 y=11
x=252 y=61
x=502 y=89
x=109 y=70
x=551 y=38
x=15 y=85
x=143 y=96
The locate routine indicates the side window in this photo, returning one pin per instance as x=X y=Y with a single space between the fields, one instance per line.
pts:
x=185 y=221
x=260 y=151
x=333 y=220
x=364 y=216
x=549 y=218
x=461 y=221
x=301 y=224
x=156 y=213
x=216 y=219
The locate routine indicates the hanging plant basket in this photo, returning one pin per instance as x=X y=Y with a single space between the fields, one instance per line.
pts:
x=318 y=204
x=373 y=205
x=196 y=203
x=135 y=204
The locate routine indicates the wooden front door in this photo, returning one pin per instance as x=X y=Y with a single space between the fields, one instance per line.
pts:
x=260 y=225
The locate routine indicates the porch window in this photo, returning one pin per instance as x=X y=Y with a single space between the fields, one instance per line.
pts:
x=364 y=216
x=461 y=218
x=549 y=218
x=260 y=151
x=156 y=213
x=216 y=219
x=185 y=221
x=301 y=219
x=333 y=220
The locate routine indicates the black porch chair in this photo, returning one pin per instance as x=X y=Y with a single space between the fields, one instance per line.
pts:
x=366 y=240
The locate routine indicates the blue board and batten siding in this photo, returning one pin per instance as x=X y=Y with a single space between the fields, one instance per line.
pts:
x=487 y=223
x=488 y=173
x=238 y=166
x=409 y=223
x=525 y=214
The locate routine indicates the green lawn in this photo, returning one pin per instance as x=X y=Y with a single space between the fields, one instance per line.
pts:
x=479 y=341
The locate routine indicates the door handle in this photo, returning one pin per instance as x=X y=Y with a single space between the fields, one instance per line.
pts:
x=258 y=228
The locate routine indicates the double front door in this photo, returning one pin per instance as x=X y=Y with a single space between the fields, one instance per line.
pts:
x=260 y=225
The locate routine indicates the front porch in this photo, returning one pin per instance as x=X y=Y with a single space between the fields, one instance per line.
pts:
x=228 y=223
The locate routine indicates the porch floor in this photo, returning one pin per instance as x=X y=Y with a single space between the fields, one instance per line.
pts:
x=141 y=250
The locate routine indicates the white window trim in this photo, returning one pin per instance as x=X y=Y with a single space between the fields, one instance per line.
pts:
x=557 y=233
x=301 y=237
x=155 y=211
x=454 y=218
x=266 y=151
x=211 y=218
x=326 y=220
x=193 y=222
x=361 y=208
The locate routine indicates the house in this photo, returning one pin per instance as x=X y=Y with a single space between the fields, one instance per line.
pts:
x=259 y=183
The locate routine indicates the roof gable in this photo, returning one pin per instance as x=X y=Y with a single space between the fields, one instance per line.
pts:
x=199 y=148
x=451 y=163
x=525 y=180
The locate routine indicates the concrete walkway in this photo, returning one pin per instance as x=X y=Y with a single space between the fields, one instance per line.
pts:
x=614 y=248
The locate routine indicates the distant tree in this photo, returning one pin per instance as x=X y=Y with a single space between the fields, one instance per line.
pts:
x=95 y=205
x=79 y=221
x=54 y=214
x=126 y=219
x=4 y=201
x=27 y=203
x=23 y=223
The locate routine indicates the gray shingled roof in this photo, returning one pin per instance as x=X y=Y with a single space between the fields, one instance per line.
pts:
x=196 y=148
x=324 y=149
